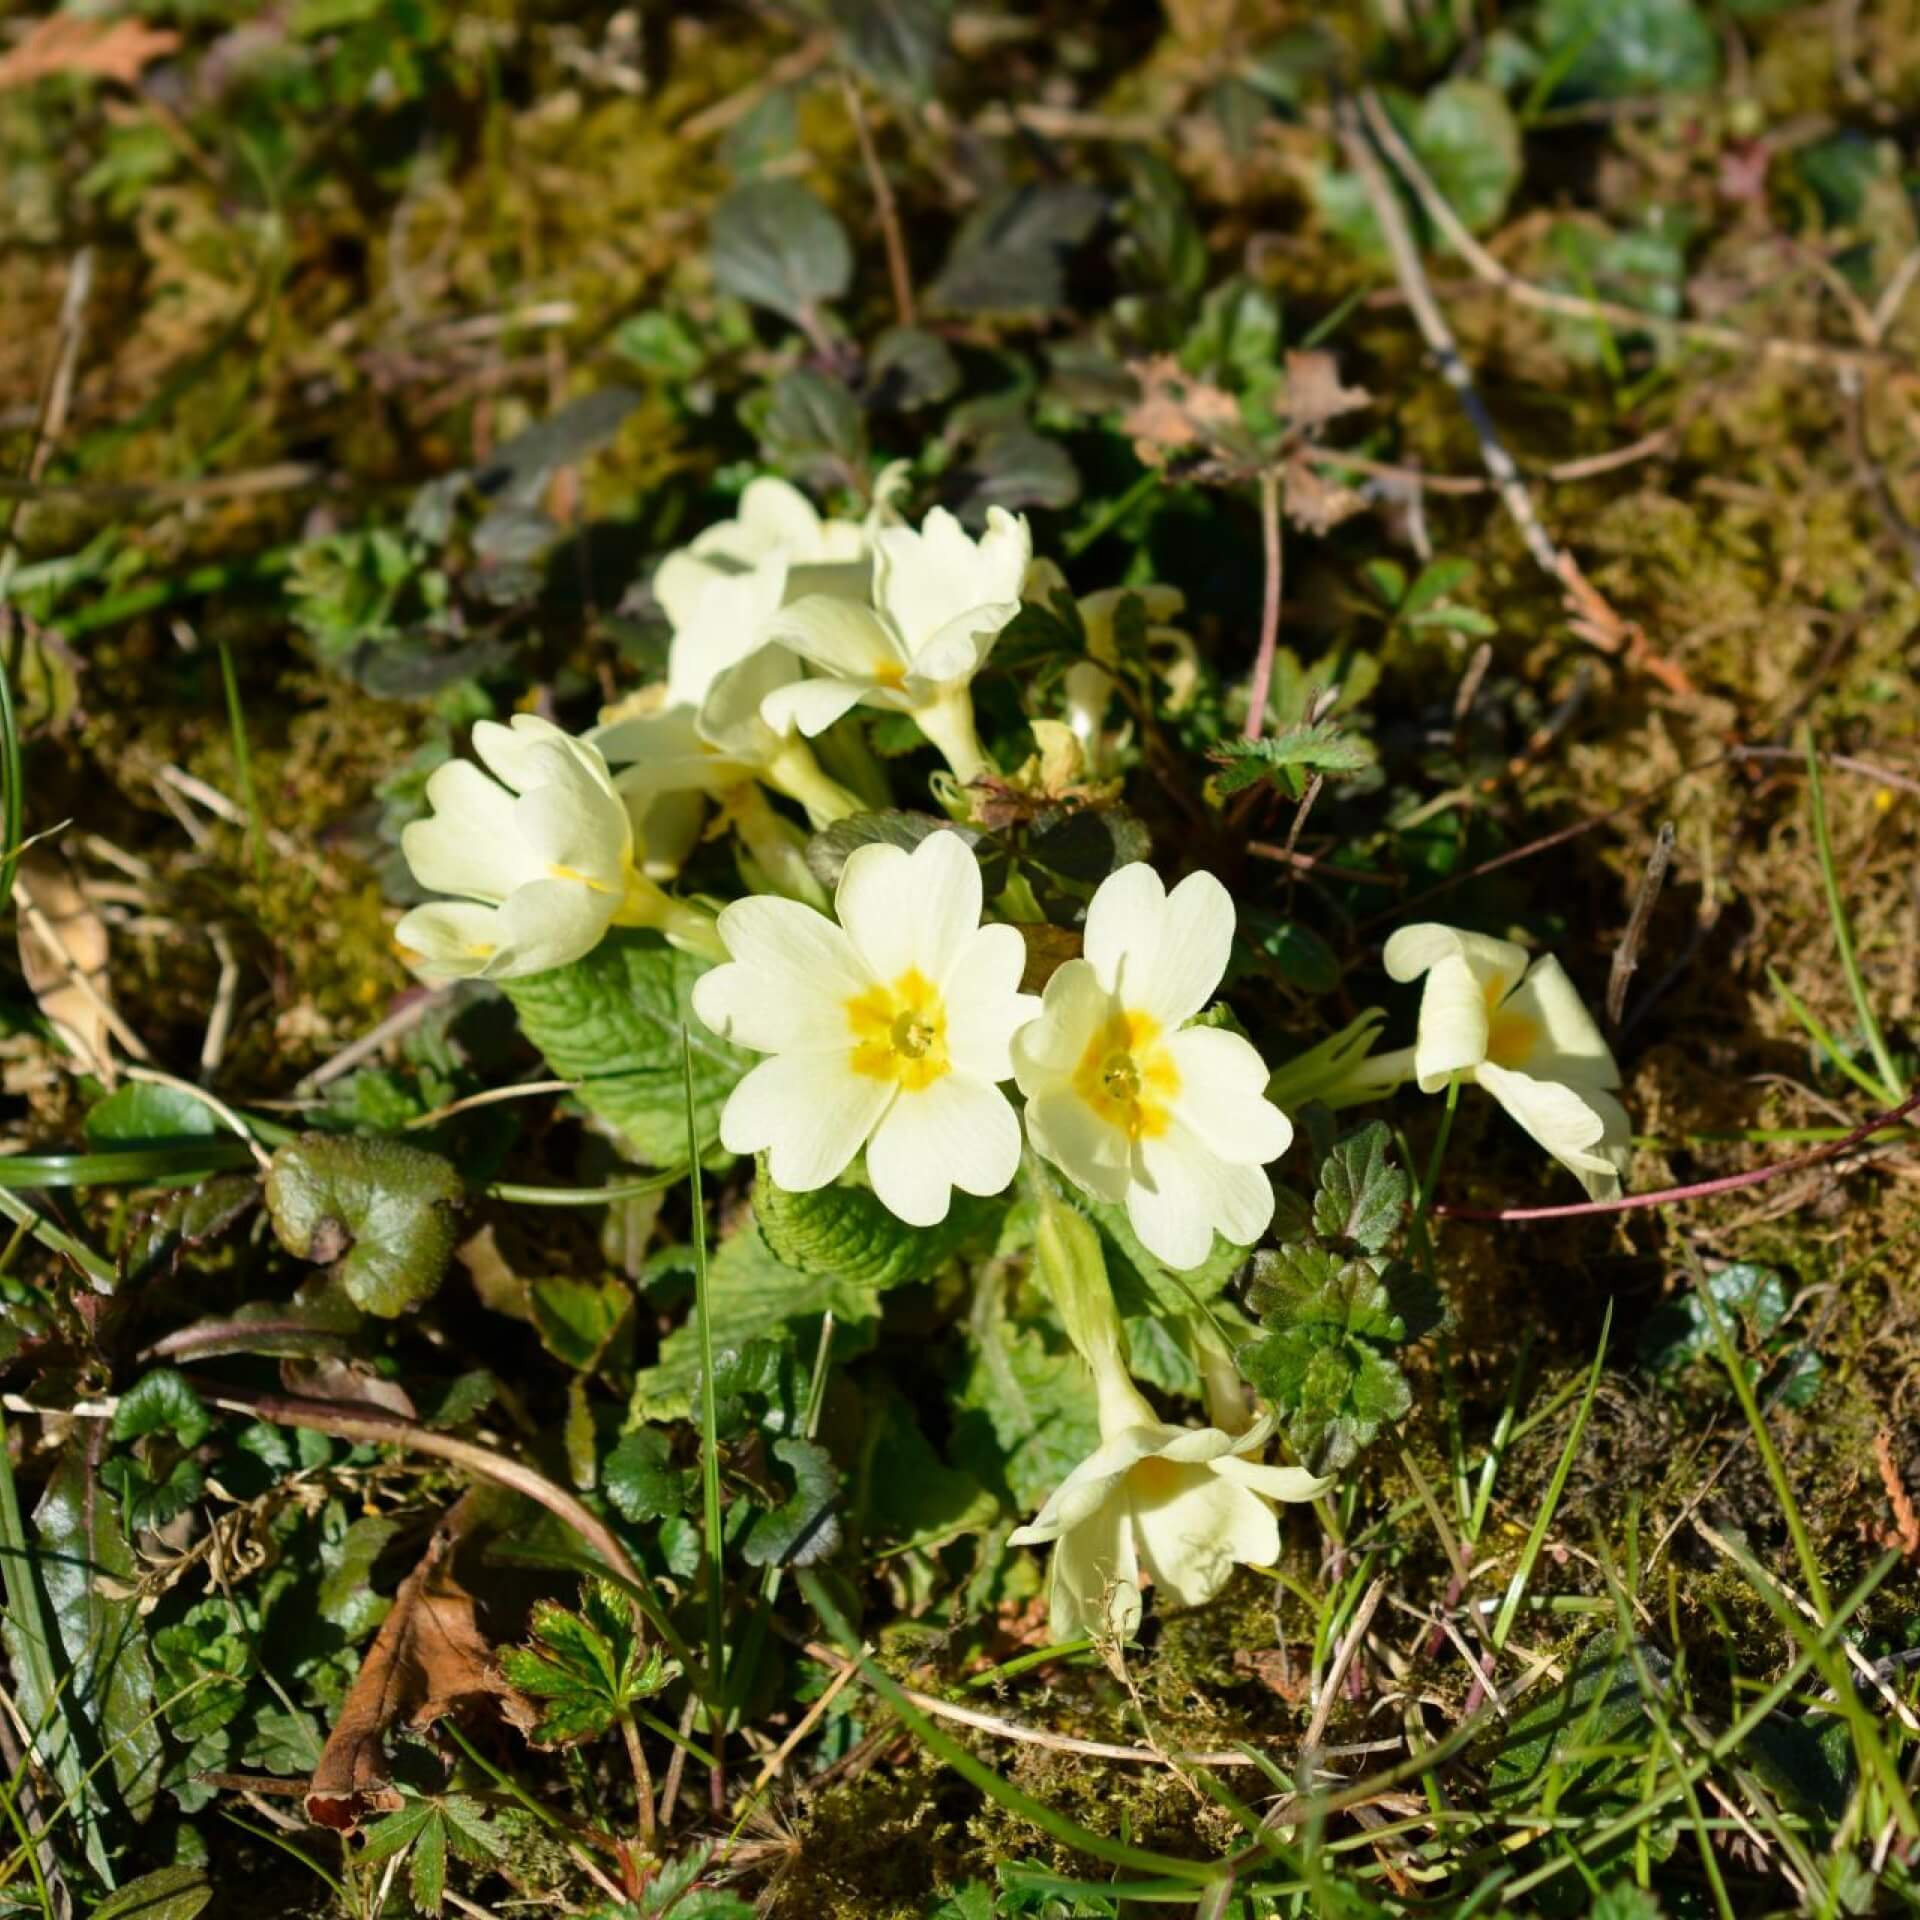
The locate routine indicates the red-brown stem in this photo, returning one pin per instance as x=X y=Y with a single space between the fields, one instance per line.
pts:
x=1269 y=607
x=897 y=268
x=1729 y=1183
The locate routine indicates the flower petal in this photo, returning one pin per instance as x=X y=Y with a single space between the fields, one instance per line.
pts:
x=1182 y=1192
x=955 y=1133
x=729 y=621
x=1162 y=953
x=985 y=1007
x=468 y=845
x=1194 y=1525
x=923 y=580
x=810 y=1113
x=550 y=923
x=1090 y=1151
x=840 y=637
x=787 y=988
x=1455 y=1022
x=913 y=909
x=448 y=939
x=1094 y=1584
x=812 y=706
x=1413 y=950
x=1274 y=1483
x=579 y=831
x=1567 y=1045
x=1568 y=1122
x=1072 y=1010
x=1223 y=1096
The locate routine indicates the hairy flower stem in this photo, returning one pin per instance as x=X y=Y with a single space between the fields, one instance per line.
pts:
x=948 y=723
x=649 y=905
x=796 y=773
x=775 y=846
x=642 y=1781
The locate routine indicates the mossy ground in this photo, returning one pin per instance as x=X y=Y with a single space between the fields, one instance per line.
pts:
x=396 y=288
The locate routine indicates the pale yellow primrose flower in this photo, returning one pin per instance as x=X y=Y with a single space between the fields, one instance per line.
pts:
x=1187 y=1502
x=888 y=1031
x=1170 y=1121
x=541 y=856
x=1525 y=1036
x=940 y=600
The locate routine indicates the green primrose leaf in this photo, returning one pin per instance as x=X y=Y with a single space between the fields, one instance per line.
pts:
x=845 y=1232
x=612 y=1023
x=776 y=245
x=385 y=1212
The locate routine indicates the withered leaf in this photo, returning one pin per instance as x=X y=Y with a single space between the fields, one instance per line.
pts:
x=63 y=953
x=1314 y=394
x=104 y=49
x=1315 y=503
x=429 y=1662
x=1175 y=411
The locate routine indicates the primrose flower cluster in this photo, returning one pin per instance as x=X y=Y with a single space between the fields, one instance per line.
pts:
x=896 y=1019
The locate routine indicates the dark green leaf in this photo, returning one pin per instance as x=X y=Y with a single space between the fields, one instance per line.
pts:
x=576 y=1318
x=640 y=1480
x=1015 y=467
x=162 y=1402
x=1025 y=1410
x=845 y=1233
x=141 y=1114
x=1287 y=759
x=1629 y=47
x=168 y=1893
x=148 y=1500
x=775 y=245
x=909 y=368
x=912 y=1497
x=386 y=1213
x=811 y=426
x=828 y=849
x=347 y=1596
x=1010 y=253
x=1362 y=1195
x=896 y=43
x=804 y=1528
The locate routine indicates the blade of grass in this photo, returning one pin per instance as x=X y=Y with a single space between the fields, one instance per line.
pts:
x=998 y=1789
x=1842 y=931
x=716 y=1545
x=131 y=1166
x=97 y=1270
x=1503 y=1437
x=31 y=1645
x=243 y=764
x=1828 y=1045
x=12 y=801
x=1537 y=1534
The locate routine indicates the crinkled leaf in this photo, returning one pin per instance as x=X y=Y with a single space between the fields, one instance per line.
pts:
x=168 y=1893
x=844 y=1232
x=639 y=1478
x=205 y=1658
x=612 y=1023
x=908 y=368
x=776 y=245
x=810 y=424
x=805 y=1527
x=1362 y=1195
x=162 y=1402
x=385 y=1212
x=751 y=1293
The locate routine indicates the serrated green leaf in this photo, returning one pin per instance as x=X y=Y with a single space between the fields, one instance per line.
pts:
x=427 y=1869
x=387 y=1213
x=846 y=1232
x=469 y=1832
x=382 y=1839
x=638 y=1477
x=1287 y=759
x=1362 y=1195
x=805 y=1527
x=162 y=1402
x=205 y=1658
x=612 y=1023
x=587 y=1664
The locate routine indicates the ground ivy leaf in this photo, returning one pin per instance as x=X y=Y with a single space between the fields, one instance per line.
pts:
x=384 y=1211
x=612 y=1022
x=162 y=1402
x=640 y=1480
x=804 y=1528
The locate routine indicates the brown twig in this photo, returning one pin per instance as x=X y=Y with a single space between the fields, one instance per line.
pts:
x=1269 y=607
x=1905 y=1520
x=1626 y=956
x=1701 y=1190
x=898 y=269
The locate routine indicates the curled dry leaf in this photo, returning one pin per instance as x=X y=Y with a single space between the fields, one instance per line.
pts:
x=1314 y=393
x=101 y=49
x=1175 y=411
x=1313 y=502
x=429 y=1661
x=63 y=953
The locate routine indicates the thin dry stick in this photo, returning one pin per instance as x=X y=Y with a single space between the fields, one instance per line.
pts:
x=1846 y=763
x=524 y=1091
x=1439 y=338
x=59 y=394
x=49 y=936
x=1728 y=1183
x=1032 y=1736
x=1337 y=1673
x=369 y=1043
x=897 y=268
x=1626 y=956
x=213 y=1047
x=1906 y=1521
x=1269 y=606
x=1547 y=300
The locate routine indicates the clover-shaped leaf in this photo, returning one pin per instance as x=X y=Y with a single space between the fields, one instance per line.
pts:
x=588 y=1666
x=383 y=1211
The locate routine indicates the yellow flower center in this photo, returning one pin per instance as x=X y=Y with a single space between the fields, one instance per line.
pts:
x=1127 y=1075
x=900 y=1032
x=558 y=872
x=890 y=673
x=1511 y=1036
x=1154 y=1477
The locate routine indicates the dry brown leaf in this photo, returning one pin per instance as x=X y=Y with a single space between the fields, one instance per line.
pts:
x=329 y=1376
x=1315 y=503
x=71 y=43
x=429 y=1661
x=63 y=952
x=1314 y=393
x=501 y=1290
x=1175 y=410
